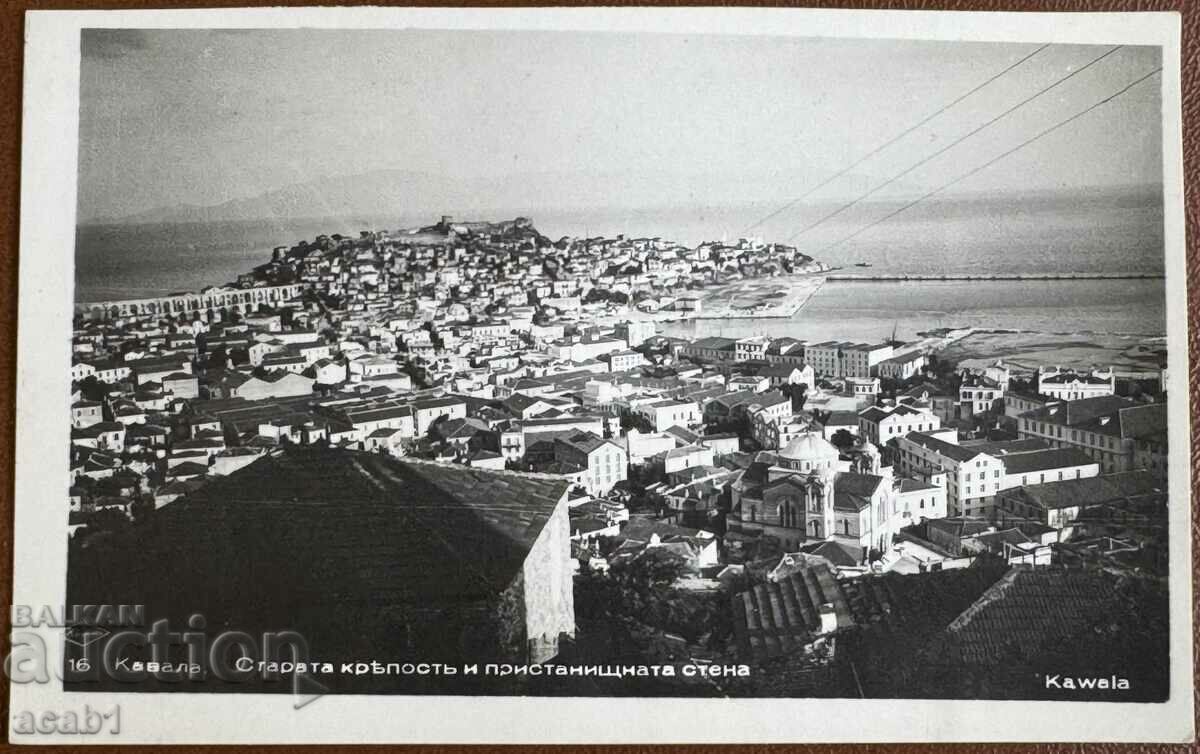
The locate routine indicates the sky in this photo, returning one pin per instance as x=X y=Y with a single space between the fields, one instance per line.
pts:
x=202 y=117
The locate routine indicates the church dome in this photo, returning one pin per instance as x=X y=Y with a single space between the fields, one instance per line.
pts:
x=809 y=447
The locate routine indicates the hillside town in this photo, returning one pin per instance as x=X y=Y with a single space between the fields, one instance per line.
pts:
x=845 y=518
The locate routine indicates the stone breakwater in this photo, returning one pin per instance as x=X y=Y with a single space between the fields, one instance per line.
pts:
x=900 y=278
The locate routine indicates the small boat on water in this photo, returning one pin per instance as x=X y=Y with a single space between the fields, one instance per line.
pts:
x=862 y=264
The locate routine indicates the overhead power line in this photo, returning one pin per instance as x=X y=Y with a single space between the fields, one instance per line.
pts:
x=951 y=145
x=889 y=143
x=993 y=161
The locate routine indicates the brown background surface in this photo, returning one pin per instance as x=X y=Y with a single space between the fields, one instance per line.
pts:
x=11 y=44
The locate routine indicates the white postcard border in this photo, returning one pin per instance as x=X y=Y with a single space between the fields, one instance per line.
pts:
x=48 y=190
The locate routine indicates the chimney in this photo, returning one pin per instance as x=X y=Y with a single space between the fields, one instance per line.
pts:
x=829 y=622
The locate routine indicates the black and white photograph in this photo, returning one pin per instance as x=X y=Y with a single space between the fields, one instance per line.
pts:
x=636 y=363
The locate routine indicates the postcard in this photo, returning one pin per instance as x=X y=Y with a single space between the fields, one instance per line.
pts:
x=601 y=375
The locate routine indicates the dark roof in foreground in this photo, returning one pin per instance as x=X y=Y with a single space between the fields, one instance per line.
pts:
x=1116 y=488
x=363 y=525
x=775 y=618
x=1024 y=611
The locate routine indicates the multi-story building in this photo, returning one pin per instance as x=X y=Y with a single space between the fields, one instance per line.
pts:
x=641 y=446
x=916 y=500
x=841 y=359
x=717 y=350
x=635 y=332
x=976 y=472
x=426 y=412
x=585 y=348
x=770 y=416
x=1116 y=432
x=1018 y=402
x=902 y=367
x=623 y=361
x=604 y=462
x=369 y=417
x=751 y=348
x=862 y=360
x=979 y=394
x=668 y=413
x=824 y=358
x=862 y=389
x=944 y=405
x=1069 y=385
x=1058 y=504
x=922 y=455
x=777 y=434
x=86 y=413
x=881 y=424
x=785 y=351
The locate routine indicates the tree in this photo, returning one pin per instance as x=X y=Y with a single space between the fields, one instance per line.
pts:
x=842 y=440
x=797 y=392
x=630 y=420
x=597 y=295
x=92 y=389
x=654 y=569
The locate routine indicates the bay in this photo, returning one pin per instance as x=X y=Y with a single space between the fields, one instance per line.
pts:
x=869 y=311
x=1107 y=232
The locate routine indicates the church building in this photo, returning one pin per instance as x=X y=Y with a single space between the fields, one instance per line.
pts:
x=805 y=493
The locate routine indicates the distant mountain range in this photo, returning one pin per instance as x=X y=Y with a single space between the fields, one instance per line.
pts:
x=389 y=192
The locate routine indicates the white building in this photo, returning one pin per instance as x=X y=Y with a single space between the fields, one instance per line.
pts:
x=879 y=424
x=979 y=394
x=976 y=473
x=902 y=367
x=604 y=461
x=1068 y=385
x=668 y=413
x=753 y=347
x=635 y=332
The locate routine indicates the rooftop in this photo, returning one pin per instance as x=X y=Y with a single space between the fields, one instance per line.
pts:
x=1106 y=488
x=362 y=524
x=1044 y=460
